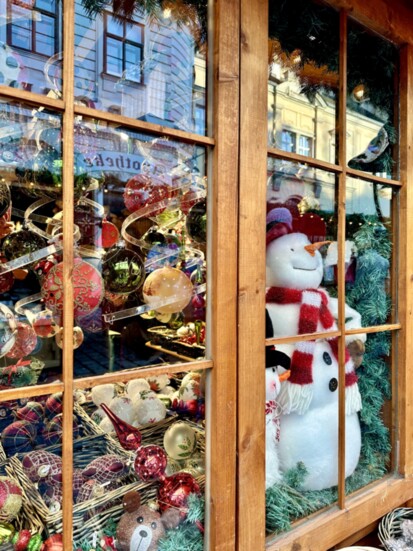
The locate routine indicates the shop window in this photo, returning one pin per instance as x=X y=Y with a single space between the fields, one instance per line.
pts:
x=123 y=48
x=33 y=28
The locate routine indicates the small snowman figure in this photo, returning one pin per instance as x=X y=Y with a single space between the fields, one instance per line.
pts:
x=308 y=400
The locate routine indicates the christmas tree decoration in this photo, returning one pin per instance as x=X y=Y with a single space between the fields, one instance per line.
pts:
x=7 y=330
x=188 y=535
x=11 y=500
x=44 y=324
x=175 y=489
x=53 y=543
x=54 y=404
x=179 y=440
x=122 y=407
x=18 y=437
x=122 y=270
x=158 y=382
x=23 y=373
x=42 y=465
x=167 y=290
x=20 y=243
x=32 y=412
x=142 y=191
x=53 y=432
x=196 y=222
x=129 y=437
x=7 y=531
x=78 y=337
x=103 y=393
x=89 y=490
x=7 y=279
x=25 y=341
x=109 y=235
x=135 y=386
x=107 y=468
x=87 y=288
x=149 y=411
x=150 y=462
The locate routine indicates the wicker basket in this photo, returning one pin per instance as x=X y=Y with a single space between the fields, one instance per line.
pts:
x=390 y=524
x=92 y=515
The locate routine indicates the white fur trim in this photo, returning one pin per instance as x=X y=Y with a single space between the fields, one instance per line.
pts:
x=311 y=298
x=294 y=397
x=306 y=347
x=353 y=399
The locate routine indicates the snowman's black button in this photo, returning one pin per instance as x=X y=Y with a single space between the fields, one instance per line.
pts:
x=327 y=358
x=333 y=384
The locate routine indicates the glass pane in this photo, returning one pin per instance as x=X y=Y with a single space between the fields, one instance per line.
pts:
x=46 y=5
x=31 y=457
x=30 y=48
x=371 y=102
x=301 y=238
x=376 y=415
x=301 y=413
x=31 y=192
x=141 y=218
x=171 y=62
x=169 y=439
x=303 y=78
x=369 y=244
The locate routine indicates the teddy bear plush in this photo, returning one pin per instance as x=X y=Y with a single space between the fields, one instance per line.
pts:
x=140 y=528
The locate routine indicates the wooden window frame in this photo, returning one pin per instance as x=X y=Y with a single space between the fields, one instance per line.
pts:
x=53 y=14
x=222 y=145
x=354 y=515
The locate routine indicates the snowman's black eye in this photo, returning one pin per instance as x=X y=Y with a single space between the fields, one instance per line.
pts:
x=333 y=384
x=139 y=520
x=153 y=525
x=327 y=358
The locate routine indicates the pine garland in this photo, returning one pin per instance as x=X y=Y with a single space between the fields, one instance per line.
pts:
x=187 y=536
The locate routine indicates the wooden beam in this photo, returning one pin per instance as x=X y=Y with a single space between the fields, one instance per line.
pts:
x=222 y=258
x=251 y=262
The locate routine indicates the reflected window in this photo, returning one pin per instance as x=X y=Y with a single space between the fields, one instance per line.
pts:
x=33 y=27
x=305 y=146
x=123 y=48
x=288 y=141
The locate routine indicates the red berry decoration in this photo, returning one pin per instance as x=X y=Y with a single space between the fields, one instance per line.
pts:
x=150 y=462
x=142 y=191
x=175 y=489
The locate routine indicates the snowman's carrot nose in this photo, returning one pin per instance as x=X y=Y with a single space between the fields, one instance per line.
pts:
x=284 y=376
x=315 y=246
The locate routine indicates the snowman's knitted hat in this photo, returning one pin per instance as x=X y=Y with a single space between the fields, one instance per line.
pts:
x=279 y=222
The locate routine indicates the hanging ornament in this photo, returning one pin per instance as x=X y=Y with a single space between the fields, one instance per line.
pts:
x=150 y=462
x=87 y=288
x=175 y=489
x=7 y=330
x=129 y=437
x=179 y=440
x=25 y=343
x=18 y=437
x=176 y=320
x=167 y=290
x=53 y=431
x=160 y=255
x=7 y=279
x=189 y=199
x=78 y=338
x=142 y=191
x=122 y=270
x=44 y=324
x=109 y=235
x=32 y=412
x=89 y=220
x=54 y=404
x=21 y=243
x=196 y=222
x=11 y=499
x=93 y=322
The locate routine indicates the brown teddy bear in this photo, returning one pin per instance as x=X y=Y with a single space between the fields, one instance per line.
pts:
x=140 y=528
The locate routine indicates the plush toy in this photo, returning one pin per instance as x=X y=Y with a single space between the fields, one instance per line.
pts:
x=309 y=398
x=140 y=527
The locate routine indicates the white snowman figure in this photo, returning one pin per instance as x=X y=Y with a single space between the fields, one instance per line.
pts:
x=309 y=398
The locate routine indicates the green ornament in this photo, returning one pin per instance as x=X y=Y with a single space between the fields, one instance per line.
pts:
x=35 y=543
x=122 y=270
x=176 y=321
x=196 y=222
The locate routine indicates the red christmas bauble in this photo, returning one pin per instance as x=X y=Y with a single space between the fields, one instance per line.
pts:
x=6 y=280
x=11 y=499
x=44 y=325
x=189 y=199
x=109 y=235
x=142 y=191
x=26 y=341
x=22 y=541
x=54 y=543
x=150 y=462
x=87 y=288
x=175 y=489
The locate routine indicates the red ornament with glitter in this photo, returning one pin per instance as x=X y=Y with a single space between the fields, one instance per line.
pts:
x=109 y=235
x=26 y=341
x=87 y=288
x=150 y=462
x=175 y=489
x=142 y=191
